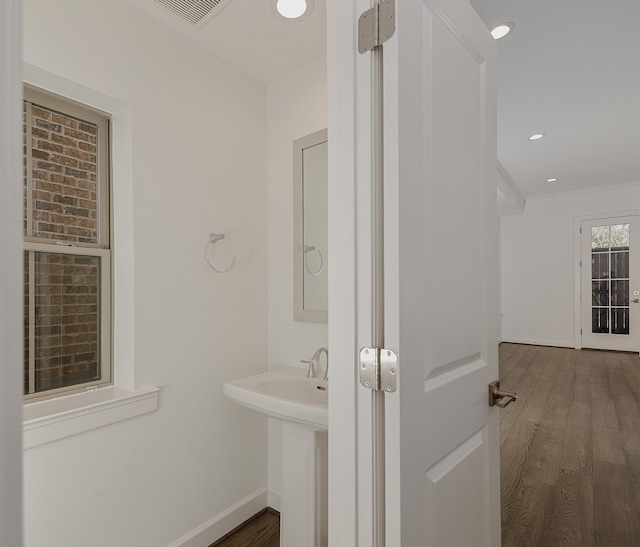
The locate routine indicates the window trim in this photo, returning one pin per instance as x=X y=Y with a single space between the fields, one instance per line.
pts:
x=102 y=249
x=123 y=351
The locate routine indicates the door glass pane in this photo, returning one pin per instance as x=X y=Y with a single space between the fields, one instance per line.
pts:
x=620 y=320
x=600 y=320
x=620 y=265
x=600 y=293
x=620 y=292
x=620 y=237
x=600 y=237
x=599 y=265
x=66 y=320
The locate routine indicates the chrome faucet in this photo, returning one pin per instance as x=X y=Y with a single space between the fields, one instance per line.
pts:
x=316 y=359
x=311 y=371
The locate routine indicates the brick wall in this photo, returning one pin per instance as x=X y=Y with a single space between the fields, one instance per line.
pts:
x=64 y=171
x=64 y=207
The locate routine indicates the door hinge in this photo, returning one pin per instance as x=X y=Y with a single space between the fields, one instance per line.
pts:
x=581 y=230
x=379 y=369
x=376 y=25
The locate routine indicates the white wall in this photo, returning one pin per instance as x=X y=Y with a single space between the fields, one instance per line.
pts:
x=538 y=263
x=155 y=479
x=296 y=106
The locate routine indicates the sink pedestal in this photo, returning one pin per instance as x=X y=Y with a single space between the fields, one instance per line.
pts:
x=304 y=460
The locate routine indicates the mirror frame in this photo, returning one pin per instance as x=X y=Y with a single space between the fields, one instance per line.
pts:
x=299 y=313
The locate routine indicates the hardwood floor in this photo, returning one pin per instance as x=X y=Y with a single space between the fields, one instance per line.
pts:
x=570 y=447
x=261 y=530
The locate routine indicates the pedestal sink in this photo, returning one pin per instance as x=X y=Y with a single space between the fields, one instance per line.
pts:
x=286 y=394
x=301 y=404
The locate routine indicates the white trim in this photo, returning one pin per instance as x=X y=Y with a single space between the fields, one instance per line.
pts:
x=275 y=499
x=510 y=190
x=224 y=522
x=11 y=306
x=538 y=342
x=343 y=427
x=608 y=188
x=56 y=419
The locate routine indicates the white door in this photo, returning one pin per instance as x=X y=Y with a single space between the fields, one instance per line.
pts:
x=435 y=438
x=611 y=283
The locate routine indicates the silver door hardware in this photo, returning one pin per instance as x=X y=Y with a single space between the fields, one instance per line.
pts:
x=376 y=25
x=636 y=301
x=379 y=369
x=498 y=397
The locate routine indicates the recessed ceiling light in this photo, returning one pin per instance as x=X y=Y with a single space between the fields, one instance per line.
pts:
x=501 y=30
x=552 y=180
x=536 y=136
x=293 y=9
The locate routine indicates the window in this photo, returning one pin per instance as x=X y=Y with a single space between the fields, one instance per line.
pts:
x=67 y=255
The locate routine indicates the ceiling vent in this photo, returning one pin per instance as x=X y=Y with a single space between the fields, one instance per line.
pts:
x=194 y=12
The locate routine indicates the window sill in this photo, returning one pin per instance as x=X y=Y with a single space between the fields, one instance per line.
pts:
x=55 y=419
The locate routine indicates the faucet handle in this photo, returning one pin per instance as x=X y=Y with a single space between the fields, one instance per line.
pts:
x=311 y=372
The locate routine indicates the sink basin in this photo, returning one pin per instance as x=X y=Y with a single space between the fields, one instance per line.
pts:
x=284 y=393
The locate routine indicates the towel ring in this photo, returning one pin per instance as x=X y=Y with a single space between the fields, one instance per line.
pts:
x=213 y=239
x=310 y=249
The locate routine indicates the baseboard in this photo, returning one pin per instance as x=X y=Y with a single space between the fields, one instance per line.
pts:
x=538 y=342
x=275 y=500
x=218 y=526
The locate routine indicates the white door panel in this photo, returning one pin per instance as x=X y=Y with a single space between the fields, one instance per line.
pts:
x=442 y=455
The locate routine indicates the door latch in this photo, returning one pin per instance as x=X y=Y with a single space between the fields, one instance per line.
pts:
x=379 y=369
x=499 y=397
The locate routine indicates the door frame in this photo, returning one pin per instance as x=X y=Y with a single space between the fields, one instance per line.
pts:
x=10 y=273
x=577 y=270
x=344 y=513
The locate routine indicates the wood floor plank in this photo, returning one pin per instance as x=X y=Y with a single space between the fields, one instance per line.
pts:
x=511 y=355
x=614 y=515
x=531 y=515
x=536 y=404
x=572 y=520
x=521 y=379
x=628 y=415
x=543 y=462
x=514 y=455
x=577 y=447
x=632 y=490
x=607 y=441
x=562 y=390
x=582 y=381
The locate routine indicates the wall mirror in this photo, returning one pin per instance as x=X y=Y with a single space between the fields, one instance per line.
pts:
x=310 y=239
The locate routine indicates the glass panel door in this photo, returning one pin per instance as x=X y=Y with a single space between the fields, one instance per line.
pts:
x=610 y=283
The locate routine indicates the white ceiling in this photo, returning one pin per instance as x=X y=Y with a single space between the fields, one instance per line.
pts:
x=248 y=35
x=570 y=69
